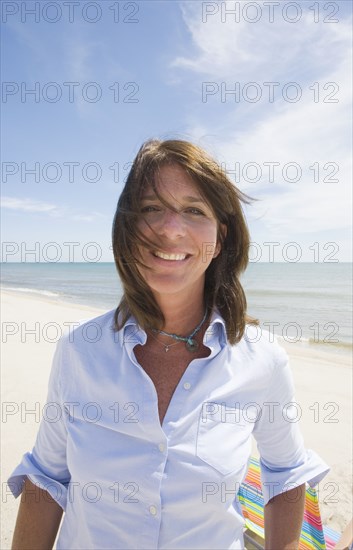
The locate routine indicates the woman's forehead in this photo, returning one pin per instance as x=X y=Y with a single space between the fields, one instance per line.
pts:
x=172 y=180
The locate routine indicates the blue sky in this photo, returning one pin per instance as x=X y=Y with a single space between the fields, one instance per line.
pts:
x=175 y=65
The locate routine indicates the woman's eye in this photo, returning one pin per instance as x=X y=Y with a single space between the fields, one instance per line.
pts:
x=195 y=211
x=149 y=209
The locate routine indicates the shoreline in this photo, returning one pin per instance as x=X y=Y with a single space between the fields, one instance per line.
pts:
x=344 y=351
x=49 y=300
x=322 y=380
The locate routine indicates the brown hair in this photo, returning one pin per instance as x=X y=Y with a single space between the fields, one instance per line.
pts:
x=222 y=285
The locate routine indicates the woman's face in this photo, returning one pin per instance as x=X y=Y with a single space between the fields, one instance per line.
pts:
x=186 y=240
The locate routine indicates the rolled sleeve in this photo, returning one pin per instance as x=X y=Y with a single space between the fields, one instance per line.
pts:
x=28 y=468
x=285 y=462
x=278 y=480
x=46 y=465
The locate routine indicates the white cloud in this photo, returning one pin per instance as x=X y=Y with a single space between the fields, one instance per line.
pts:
x=304 y=132
x=261 y=49
x=30 y=205
x=27 y=205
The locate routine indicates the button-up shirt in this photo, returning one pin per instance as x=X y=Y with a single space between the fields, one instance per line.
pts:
x=127 y=482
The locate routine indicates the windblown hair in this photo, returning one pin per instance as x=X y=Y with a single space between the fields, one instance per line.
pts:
x=222 y=286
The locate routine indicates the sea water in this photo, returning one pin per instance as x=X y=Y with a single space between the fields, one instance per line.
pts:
x=307 y=302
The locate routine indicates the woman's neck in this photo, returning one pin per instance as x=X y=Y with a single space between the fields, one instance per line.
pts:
x=181 y=316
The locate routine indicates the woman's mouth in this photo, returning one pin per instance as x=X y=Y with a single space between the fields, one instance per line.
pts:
x=170 y=257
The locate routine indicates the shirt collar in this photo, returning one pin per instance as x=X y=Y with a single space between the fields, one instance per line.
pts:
x=216 y=328
x=132 y=332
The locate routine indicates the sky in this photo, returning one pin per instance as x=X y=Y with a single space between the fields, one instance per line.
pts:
x=264 y=87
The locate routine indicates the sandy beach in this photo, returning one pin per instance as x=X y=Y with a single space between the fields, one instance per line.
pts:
x=31 y=327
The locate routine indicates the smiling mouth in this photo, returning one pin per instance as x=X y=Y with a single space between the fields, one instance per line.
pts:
x=170 y=257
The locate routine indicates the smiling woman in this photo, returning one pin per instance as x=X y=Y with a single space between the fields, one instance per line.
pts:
x=176 y=265
x=178 y=200
x=183 y=361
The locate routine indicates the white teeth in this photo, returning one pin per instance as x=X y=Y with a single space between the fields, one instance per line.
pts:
x=170 y=256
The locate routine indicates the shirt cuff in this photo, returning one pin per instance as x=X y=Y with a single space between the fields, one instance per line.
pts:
x=276 y=480
x=28 y=467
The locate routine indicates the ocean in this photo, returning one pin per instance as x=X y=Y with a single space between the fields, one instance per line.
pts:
x=306 y=302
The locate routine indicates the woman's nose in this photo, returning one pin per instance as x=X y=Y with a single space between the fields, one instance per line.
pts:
x=172 y=224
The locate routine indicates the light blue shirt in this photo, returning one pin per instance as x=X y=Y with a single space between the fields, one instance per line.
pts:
x=125 y=481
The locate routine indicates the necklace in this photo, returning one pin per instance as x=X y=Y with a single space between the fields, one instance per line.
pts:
x=190 y=344
x=166 y=348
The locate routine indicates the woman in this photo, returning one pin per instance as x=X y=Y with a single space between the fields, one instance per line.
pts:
x=158 y=410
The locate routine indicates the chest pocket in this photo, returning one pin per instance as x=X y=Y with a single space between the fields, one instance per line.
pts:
x=224 y=437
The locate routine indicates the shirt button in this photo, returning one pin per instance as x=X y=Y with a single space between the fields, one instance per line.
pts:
x=153 y=510
x=161 y=447
x=187 y=385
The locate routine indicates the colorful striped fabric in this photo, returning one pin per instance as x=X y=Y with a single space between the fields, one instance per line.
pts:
x=252 y=502
x=331 y=537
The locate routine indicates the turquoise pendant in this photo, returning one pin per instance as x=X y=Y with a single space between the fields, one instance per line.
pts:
x=192 y=345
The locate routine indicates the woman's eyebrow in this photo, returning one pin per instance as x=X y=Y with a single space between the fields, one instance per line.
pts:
x=193 y=199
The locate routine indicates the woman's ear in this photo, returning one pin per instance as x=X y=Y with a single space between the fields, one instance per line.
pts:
x=223 y=232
